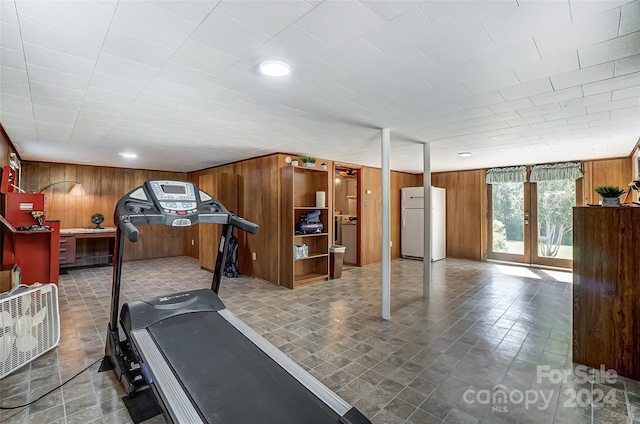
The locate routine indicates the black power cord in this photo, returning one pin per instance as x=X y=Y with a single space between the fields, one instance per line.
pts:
x=4 y=407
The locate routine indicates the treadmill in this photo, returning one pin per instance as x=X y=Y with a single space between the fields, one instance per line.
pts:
x=202 y=363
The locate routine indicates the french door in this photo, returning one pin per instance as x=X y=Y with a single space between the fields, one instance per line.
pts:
x=532 y=222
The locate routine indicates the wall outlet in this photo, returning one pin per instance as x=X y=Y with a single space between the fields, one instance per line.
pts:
x=368 y=191
x=366 y=204
x=193 y=242
x=390 y=244
x=254 y=256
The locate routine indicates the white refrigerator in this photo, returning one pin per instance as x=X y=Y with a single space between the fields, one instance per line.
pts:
x=412 y=223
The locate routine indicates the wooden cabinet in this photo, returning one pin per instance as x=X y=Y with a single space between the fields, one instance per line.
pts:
x=606 y=293
x=86 y=246
x=298 y=197
x=67 y=249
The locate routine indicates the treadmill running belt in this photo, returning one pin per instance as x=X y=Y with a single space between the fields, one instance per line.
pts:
x=230 y=379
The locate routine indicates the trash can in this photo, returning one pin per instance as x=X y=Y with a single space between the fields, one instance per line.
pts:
x=336 y=258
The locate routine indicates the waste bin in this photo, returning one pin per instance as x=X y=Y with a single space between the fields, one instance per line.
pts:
x=336 y=258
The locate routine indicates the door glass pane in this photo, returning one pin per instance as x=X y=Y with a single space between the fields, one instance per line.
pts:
x=555 y=218
x=508 y=217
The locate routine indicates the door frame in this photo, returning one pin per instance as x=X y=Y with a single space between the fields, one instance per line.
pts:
x=530 y=256
x=358 y=168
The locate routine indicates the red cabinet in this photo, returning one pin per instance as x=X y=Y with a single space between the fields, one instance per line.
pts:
x=36 y=252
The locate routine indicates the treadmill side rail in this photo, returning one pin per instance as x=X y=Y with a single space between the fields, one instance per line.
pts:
x=335 y=402
x=178 y=404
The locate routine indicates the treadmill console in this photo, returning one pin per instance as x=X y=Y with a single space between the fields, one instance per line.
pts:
x=175 y=197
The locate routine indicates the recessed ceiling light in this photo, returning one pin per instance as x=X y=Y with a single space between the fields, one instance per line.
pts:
x=464 y=154
x=128 y=155
x=274 y=68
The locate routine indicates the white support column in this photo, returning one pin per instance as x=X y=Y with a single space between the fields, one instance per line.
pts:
x=386 y=224
x=426 y=283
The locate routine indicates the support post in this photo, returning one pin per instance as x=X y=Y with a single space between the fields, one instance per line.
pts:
x=426 y=283
x=386 y=224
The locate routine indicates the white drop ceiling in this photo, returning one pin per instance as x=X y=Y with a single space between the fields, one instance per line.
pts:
x=513 y=82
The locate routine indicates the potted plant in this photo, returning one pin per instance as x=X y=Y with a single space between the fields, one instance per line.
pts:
x=610 y=195
x=308 y=161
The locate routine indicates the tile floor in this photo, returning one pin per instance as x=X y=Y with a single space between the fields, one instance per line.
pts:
x=482 y=334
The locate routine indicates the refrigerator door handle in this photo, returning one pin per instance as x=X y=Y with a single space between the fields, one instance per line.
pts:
x=403 y=220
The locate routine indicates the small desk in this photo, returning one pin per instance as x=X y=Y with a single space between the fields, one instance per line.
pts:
x=86 y=246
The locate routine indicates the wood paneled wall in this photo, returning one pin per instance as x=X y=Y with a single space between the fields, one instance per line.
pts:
x=250 y=190
x=466 y=212
x=617 y=172
x=371 y=179
x=104 y=187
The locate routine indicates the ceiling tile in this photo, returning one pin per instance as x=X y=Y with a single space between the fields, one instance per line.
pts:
x=191 y=10
x=485 y=99
x=118 y=85
x=493 y=81
x=106 y=96
x=338 y=22
x=223 y=34
x=12 y=59
x=136 y=49
x=58 y=61
x=539 y=110
x=53 y=114
x=506 y=57
x=566 y=113
x=388 y=10
x=586 y=101
x=57 y=92
x=583 y=76
x=202 y=58
x=555 y=63
x=557 y=96
x=185 y=76
x=512 y=105
x=158 y=25
x=627 y=65
x=578 y=34
x=15 y=89
x=612 y=84
x=625 y=93
x=606 y=51
x=528 y=89
x=165 y=88
x=15 y=104
x=83 y=17
x=8 y=13
x=10 y=37
x=267 y=17
x=630 y=19
x=55 y=102
x=618 y=104
x=43 y=34
x=61 y=79
x=13 y=75
x=125 y=69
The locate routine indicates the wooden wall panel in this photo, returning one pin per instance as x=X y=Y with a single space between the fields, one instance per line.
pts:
x=371 y=215
x=466 y=212
x=617 y=172
x=371 y=179
x=104 y=186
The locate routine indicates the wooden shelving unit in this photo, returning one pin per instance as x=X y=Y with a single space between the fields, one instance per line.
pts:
x=298 y=197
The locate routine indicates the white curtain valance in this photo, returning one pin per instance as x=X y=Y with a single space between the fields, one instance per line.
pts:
x=558 y=171
x=516 y=174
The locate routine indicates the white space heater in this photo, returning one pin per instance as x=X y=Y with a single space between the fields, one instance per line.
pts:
x=29 y=325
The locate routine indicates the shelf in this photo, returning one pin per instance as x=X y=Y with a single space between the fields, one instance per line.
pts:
x=305 y=168
x=313 y=255
x=309 y=207
x=311 y=235
x=309 y=278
